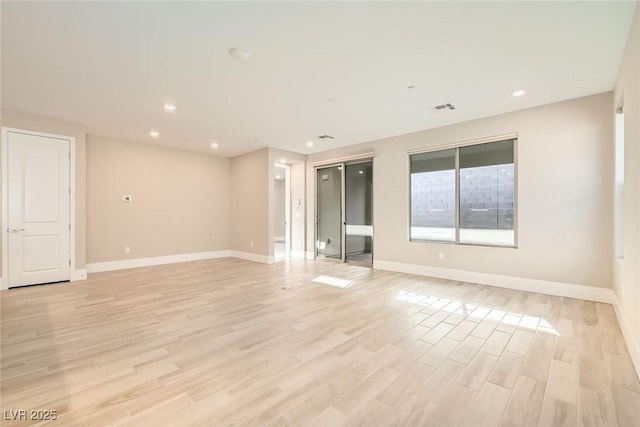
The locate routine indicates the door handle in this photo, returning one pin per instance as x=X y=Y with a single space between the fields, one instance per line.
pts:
x=17 y=230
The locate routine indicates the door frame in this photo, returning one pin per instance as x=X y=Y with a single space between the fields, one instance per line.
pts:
x=4 y=278
x=315 y=213
x=342 y=162
x=344 y=222
x=287 y=211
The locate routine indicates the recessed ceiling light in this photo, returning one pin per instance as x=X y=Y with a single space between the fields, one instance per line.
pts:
x=214 y=145
x=238 y=53
x=518 y=92
x=169 y=107
x=309 y=143
x=361 y=172
x=154 y=134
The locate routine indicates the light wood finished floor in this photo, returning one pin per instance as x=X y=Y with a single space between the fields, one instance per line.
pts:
x=230 y=342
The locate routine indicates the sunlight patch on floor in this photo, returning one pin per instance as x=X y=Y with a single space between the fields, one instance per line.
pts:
x=518 y=320
x=333 y=281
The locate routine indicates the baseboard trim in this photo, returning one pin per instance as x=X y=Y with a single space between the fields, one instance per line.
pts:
x=264 y=259
x=298 y=254
x=97 y=267
x=303 y=255
x=559 y=289
x=78 y=275
x=627 y=333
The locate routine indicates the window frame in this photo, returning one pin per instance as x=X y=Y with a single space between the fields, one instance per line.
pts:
x=456 y=146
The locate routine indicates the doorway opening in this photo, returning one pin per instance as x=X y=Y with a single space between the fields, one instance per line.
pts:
x=344 y=212
x=282 y=211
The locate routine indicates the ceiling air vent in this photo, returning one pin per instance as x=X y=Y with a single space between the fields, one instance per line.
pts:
x=444 y=107
x=325 y=137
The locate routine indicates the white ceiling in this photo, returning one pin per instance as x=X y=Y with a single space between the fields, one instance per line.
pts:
x=111 y=66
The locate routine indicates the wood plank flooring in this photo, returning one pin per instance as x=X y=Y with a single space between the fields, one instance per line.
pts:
x=229 y=342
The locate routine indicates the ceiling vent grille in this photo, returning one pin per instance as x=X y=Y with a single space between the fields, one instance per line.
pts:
x=325 y=137
x=444 y=107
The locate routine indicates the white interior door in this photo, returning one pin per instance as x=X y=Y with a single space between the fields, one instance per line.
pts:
x=38 y=203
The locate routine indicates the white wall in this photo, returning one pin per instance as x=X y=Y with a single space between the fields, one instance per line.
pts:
x=279 y=208
x=565 y=182
x=298 y=223
x=627 y=271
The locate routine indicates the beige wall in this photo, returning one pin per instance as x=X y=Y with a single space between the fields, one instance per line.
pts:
x=627 y=271
x=565 y=179
x=180 y=200
x=251 y=183
x=253 y=201
x=31 y=122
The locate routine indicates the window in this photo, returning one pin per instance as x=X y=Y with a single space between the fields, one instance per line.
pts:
x=465 y=194
x=433 y=200
x=619 y=184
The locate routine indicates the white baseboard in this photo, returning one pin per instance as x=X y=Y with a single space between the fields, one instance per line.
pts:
x=78 y=275
x=627 y=333
x=303 y=255
x=264 y=259
x=590 y=293
x=96 y=267
x=298 y=254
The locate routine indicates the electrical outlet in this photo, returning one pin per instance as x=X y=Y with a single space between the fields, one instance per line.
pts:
x=127 y=249
x=441 y=256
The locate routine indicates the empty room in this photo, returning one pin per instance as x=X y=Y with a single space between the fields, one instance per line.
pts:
x=320 y=213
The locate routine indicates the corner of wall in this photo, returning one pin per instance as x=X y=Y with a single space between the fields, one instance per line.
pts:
x=78 y=275
x=250 y=203
x=627 y=332
x=627 y=273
